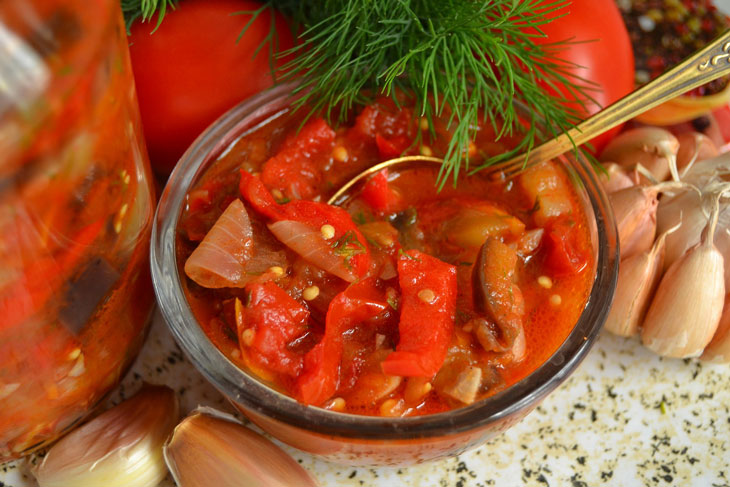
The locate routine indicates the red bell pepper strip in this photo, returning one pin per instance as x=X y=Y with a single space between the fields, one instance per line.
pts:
x=321 y=376
x=428 y=306
x=276 y=319
x=294 y=168
x=378 y=194
x=347 y=243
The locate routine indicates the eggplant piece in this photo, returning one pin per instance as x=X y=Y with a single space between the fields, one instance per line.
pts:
x=498 y=300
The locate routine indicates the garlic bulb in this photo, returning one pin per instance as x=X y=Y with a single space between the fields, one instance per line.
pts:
x=638 y=277
x=652 y=147
x=122 y=447
x=212 y=449
x=704 y=172
x=687 y=306
x=718 y=350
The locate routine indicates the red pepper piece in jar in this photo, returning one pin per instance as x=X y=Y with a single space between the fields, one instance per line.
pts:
x=378 y=194
x=323 y=234
x=360 y=302
x=20 y=298
x=295 y=169
x=428 y=290
x=270 y=321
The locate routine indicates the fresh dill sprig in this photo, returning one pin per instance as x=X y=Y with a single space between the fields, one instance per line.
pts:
x=467 y=59
x=348 y=246
x=145 y=9
x=472 y=61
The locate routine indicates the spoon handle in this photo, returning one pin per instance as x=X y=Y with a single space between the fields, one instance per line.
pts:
x=705 y=65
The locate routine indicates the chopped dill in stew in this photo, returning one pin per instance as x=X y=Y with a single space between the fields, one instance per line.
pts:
x=406 y=300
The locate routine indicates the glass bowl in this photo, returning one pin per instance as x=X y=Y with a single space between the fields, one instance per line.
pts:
x=355 y=439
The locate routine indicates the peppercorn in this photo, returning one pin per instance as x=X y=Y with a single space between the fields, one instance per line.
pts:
x=665 y=32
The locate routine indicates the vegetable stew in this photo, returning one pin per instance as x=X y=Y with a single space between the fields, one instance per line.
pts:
x=405 y=300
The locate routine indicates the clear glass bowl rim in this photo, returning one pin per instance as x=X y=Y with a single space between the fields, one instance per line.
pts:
x=255 y=396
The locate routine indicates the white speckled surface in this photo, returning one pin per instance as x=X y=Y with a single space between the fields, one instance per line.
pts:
x=604 y=426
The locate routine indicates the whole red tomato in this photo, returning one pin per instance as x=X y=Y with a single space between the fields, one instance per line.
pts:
x=192 y=69
x=600 y=52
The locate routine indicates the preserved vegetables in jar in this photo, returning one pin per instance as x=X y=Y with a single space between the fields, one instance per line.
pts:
x=76 y=204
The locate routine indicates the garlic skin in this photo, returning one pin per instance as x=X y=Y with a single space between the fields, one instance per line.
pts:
x=638 y=277
x=614 y=178
x=703 y=172
x=212 y=449
x=718 y=350
x=694 y=147
x=122 y=447
x=635 y=212
x=687 y=306
x=652 y=147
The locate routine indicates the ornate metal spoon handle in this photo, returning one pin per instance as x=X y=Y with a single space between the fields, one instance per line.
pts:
x=705 y=65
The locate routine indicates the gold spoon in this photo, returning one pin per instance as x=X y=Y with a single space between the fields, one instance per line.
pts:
x=705 y=65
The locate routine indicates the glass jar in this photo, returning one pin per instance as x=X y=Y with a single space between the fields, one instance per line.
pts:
x=76 y=203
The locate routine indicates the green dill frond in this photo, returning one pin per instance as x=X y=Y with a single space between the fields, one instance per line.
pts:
x=468 y=59
x=145 y=10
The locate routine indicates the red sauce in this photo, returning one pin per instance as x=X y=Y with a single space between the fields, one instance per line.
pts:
x=456 y=294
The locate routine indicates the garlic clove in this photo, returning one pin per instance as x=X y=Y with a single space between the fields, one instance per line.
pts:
x=652 y=147
x=638 y=277
x=687 y=208
x=687 y=306
x=635 y=212
x=209 y=448
x=642 y=237
x=614 y=178
x=694 y=147
x=718 y=350
x=122 y=447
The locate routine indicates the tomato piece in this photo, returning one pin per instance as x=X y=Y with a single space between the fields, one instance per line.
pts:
x=347 y=243
x=294 y=169
x=597 y=51
x=428 y=306
x=562 y=247
x=276 y=320
x=360 y=302
x=391 y=127
x=388 y=148
x=379 y=195
x=185 y=80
